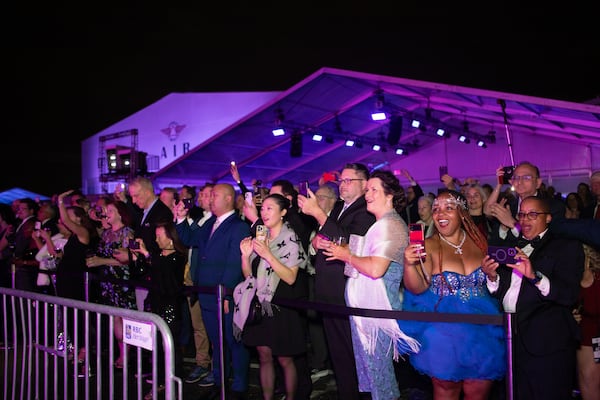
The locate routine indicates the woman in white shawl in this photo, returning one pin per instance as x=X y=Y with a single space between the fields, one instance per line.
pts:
x=375 y=267
x=271 y=267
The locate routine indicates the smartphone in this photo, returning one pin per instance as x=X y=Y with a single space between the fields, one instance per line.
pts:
x=328 y=177
x=416 y=234
x=502 y=254
x=233 y=163
x=249 y=198
x=443 y=171
x=133 y=244
x=505 y=178
x=188 y=203
x=303 y=188
x=261 y=233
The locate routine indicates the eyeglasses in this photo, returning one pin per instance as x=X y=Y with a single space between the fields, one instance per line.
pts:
x=347 y=181
x=531 y=215
x=519 y=178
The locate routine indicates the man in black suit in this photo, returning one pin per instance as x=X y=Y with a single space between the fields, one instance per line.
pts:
x=154 y=212
x=526 y=181
x=540 y=290
x=349 y=217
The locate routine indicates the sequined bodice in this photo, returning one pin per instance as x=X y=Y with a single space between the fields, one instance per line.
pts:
x=463 y=286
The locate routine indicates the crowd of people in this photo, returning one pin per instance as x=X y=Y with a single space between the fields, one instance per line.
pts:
x=346 y=243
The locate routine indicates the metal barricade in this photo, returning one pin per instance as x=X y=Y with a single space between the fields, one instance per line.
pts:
x=40 y=338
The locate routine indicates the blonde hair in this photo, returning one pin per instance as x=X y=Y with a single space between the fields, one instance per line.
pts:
x=592 y=258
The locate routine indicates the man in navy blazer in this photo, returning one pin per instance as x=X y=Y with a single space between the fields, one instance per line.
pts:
x=540 y=290
x=219 y=263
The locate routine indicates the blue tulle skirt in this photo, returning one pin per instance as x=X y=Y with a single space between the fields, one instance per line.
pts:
x=456 y=351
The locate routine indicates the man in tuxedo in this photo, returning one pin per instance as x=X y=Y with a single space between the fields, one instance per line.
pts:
x=349 y=217
x=526 y=181
x=219 y=263
x=540 y=290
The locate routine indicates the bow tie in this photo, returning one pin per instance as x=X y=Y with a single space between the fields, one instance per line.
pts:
x=522 y=242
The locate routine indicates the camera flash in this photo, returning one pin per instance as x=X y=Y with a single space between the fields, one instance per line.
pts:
x=233 y=163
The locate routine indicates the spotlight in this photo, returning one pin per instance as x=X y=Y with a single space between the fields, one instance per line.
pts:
x=376 y=147
x=317 y=137
x=349 y=142
x=378 y=116
x=464 y=139
x=481 y=144
x=415 y=123
x=278 y=132
x=441 y=133
x=399 y=151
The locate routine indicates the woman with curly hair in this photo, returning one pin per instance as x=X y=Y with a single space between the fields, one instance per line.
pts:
x=375 y=267
x=448 y=278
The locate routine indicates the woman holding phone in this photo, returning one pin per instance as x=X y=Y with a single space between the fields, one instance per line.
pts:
x=449 y=278
x=271 y=265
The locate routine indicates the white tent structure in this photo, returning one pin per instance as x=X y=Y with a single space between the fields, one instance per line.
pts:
x=191 y=138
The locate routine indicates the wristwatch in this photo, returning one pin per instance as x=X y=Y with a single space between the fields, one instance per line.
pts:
x=537 y=277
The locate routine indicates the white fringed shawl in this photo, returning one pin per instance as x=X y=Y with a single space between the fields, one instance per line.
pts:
x=387 y=238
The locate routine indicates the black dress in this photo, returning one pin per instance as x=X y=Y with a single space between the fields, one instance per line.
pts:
x=286 y=331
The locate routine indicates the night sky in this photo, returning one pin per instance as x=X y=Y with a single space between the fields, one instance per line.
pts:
x=71 y=72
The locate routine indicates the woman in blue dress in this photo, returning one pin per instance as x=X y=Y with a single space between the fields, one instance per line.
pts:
x=374 y=264
x=446 y=277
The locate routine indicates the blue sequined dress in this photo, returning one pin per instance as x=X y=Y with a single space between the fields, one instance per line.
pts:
x=457 y=351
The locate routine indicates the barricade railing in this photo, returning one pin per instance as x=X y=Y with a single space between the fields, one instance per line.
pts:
x=41 y=336
x=221 y=292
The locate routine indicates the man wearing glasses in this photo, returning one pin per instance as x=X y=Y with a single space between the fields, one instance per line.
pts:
x=526 y=181
x=539 y=290
x=347 y=217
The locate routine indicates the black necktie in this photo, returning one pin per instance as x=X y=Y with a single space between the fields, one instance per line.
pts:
x=522 y=242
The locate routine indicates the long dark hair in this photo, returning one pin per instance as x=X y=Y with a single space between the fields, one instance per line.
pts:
x=171 y=232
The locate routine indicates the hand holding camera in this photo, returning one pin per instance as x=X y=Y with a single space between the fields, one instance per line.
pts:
x=505 y=174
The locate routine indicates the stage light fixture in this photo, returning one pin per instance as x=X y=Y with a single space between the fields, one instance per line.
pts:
x=349 y=142
x=394 y=130
x=481 y=144
x=415 y=123
x=317 y=137
x=279 y=118
x=296 y=144
x=464 y=139
x=399 y=151
x=378 y=116
x=440 y=132
x=376 y=147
